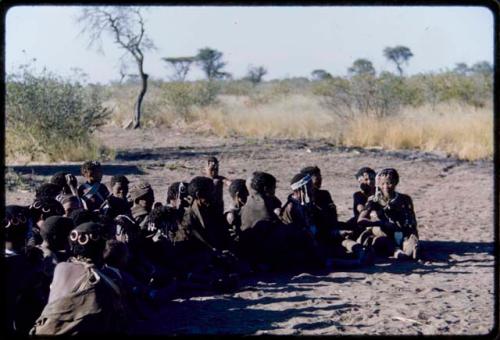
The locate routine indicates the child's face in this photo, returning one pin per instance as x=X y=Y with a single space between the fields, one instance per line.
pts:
x=316 y=181
x=241 y=197
x=366 y=182
x=120 y=190
x=206 y=198
x=93 y=176
x=212 y=169
x=387 y=186
x=70 y=206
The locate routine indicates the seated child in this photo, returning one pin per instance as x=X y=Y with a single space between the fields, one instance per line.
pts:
x=177 y=198
x=116 y=203
x=70 y=204
x=366 y=180
x=333 y=236
x=142 y=196
x=93 y=192
x=239 y=194
x=391 y=218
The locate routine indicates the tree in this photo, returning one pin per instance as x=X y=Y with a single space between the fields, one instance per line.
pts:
x=362 y=67
x=320 y=75
x=126 y=26
x=211 y=63
x=255 y=74
x=482 y=67
x=461 y=69
x=181 y=66
x=399 y=55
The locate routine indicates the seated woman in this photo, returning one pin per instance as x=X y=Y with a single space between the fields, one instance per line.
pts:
x=390 y=219
x=85 y=298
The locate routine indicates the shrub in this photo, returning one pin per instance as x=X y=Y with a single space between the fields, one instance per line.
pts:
x=51 y=118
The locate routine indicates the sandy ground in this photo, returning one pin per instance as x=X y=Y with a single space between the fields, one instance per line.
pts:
x=450 y=292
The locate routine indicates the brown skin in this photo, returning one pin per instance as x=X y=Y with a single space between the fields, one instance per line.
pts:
x=388 y=190
x=120 y=190
x=367 y=186
x=146 y=202
x=69 y=207
x=212 y=169
x=317 y=180
x=93 y=176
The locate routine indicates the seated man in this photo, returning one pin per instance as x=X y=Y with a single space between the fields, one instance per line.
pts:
x=390 y=218
x=93 y=192
x=239 y=194
x=116 y=203
x=260 y=223
x=296 y=214
x=201 y=228
x=333 y=236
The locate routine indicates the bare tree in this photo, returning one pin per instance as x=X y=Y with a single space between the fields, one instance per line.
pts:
x=126 y=26
x=181 y=66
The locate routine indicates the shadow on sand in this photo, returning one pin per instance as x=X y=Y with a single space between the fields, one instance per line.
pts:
x=49 y=170
x=250 y=309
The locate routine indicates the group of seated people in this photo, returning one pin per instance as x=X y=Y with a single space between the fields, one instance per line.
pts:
x=83 y=259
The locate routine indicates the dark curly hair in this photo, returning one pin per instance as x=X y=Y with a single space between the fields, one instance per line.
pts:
x=391 y=173
x=119 y=179
x=90 y=166
x=48 y=190
x=261 y=180
x=173 y=190
x=311 y=170
x=237 y=185
x=200 y=184
x=364 y=170
x=44 y=207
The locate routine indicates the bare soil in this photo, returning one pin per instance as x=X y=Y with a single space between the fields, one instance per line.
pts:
x=450 y=292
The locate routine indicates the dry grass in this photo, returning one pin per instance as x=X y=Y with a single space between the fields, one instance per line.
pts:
x=456 y=129
x=464 y=132
x=461 y=131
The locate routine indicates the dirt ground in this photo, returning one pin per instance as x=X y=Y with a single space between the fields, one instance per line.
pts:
x=450 y=292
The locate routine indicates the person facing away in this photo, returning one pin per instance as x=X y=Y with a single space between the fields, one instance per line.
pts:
x=390 y=218
x=93 y=192
x=85 y=297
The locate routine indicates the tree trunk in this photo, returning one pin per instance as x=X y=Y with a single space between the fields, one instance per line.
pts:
x=138 y=104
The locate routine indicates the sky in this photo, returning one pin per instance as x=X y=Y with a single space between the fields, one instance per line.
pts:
x=287 y=41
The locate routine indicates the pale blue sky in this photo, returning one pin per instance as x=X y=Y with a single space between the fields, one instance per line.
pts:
x=288 y=41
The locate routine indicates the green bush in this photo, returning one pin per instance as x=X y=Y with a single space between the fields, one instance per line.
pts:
x=51 y=118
